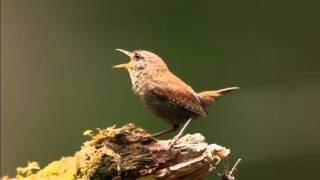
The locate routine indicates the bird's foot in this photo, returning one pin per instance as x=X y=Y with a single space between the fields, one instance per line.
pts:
x=179 y=135
x=174 y=141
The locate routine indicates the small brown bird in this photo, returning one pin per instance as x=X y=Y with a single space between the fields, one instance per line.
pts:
x=165 y=94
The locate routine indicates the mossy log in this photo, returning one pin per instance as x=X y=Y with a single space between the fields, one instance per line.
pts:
x=131 y=153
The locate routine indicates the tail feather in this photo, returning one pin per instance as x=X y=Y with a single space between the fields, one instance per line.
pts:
x=208 y=97
x=218 y=93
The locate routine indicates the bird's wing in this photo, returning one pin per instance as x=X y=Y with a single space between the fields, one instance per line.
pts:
x=181 y=96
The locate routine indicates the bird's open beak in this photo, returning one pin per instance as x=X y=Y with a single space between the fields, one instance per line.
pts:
x=126 y=65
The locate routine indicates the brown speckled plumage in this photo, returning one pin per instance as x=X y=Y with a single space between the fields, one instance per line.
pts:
x=165 y=94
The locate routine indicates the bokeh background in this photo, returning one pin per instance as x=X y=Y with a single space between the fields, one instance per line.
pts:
x=57 y=81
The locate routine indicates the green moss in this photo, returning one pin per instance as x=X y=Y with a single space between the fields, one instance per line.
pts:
x=66 y=168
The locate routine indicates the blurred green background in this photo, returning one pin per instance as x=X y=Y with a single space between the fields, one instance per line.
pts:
x=57 y=81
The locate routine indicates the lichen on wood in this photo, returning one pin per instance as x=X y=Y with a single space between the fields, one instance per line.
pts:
x=130 y=152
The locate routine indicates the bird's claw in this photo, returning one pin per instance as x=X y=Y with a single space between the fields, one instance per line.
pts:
x=173 y=141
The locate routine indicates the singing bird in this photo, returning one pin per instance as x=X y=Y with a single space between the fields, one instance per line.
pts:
x=166 y=95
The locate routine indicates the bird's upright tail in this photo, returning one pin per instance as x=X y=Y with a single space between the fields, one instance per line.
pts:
x=208 y=97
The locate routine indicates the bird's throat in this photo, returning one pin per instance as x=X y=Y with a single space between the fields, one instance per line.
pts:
x=139 y=82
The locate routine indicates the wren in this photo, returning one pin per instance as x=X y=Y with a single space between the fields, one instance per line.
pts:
x=165 y=94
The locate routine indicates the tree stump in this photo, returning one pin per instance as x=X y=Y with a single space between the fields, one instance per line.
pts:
x=129 y=153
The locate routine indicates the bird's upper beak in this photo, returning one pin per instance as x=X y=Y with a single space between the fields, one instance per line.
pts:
x=126 y=65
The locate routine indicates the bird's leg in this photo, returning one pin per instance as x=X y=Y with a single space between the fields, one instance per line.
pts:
x=181 y=132
x=173 y=128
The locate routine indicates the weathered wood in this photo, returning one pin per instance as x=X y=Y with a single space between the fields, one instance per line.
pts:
x=131 y=153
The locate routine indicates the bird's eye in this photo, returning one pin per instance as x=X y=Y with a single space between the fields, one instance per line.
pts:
x=137 y=56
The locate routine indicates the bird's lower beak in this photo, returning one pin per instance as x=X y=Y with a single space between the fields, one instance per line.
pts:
x=126 y=65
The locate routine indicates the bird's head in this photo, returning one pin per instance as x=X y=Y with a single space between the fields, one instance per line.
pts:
x=142 y=61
